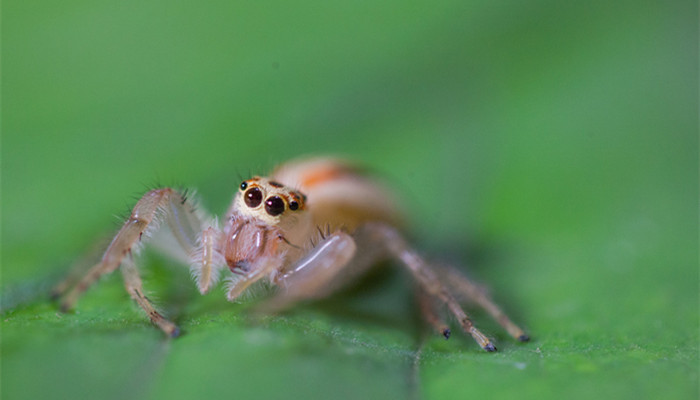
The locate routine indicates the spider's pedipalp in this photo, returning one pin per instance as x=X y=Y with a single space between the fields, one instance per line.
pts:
x=207 y=261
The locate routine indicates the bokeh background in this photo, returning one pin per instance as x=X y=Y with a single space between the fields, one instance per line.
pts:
x=550 y=147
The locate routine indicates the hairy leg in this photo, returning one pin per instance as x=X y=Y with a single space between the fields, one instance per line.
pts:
x=133 y=284
x=79 y=268
x=427 y=277
x=263 y=267
x=460 y=284
x=156 y=206
x=430 y=313
x=316 y=274
x=207 y=260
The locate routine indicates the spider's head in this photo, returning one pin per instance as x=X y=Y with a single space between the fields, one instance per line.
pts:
x=269 y=201
x=264 y=216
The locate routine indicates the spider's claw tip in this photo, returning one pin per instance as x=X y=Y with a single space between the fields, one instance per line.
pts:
x=490 y=348
x=524 y=338
x=175 y=333
x=446 y=333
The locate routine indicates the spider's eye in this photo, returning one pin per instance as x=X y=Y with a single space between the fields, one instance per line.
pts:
x=253 y=197
x=293 y=205
x=274 y=206
x=244 y=185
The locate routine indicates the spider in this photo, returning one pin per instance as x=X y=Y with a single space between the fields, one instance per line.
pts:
x=308 y=228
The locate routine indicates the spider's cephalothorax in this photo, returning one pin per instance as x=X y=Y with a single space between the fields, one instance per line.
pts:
x=312 y=225
x=265 y=219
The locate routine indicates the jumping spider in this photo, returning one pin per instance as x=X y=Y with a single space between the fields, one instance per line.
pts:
x=271 y=232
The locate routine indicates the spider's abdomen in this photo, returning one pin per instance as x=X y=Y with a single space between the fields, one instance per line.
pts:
x=339 y=194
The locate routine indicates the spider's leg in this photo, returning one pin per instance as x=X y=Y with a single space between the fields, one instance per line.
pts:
x=263 y=267
x=78 y=269
x=430 y=313
x=316 y=274
x=207 y=260
x=460 y=284
x=156 y=206
x=426 y=276
x=133 y=284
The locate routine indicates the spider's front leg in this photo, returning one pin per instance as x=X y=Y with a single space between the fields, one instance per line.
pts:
x=263 y=267
x=336 y=260
x=317 y=273
x=155 y=207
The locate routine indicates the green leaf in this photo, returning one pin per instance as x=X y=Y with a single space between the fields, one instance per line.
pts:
x=549 y=147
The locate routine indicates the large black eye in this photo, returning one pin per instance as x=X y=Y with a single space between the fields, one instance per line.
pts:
x=244 y=185
x=293 y=205
x=253 y=197
x=274 y=206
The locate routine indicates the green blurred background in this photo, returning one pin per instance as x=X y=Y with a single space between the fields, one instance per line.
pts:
x=549 y=146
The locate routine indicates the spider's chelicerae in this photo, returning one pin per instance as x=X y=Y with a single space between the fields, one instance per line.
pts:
x=307 y=229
